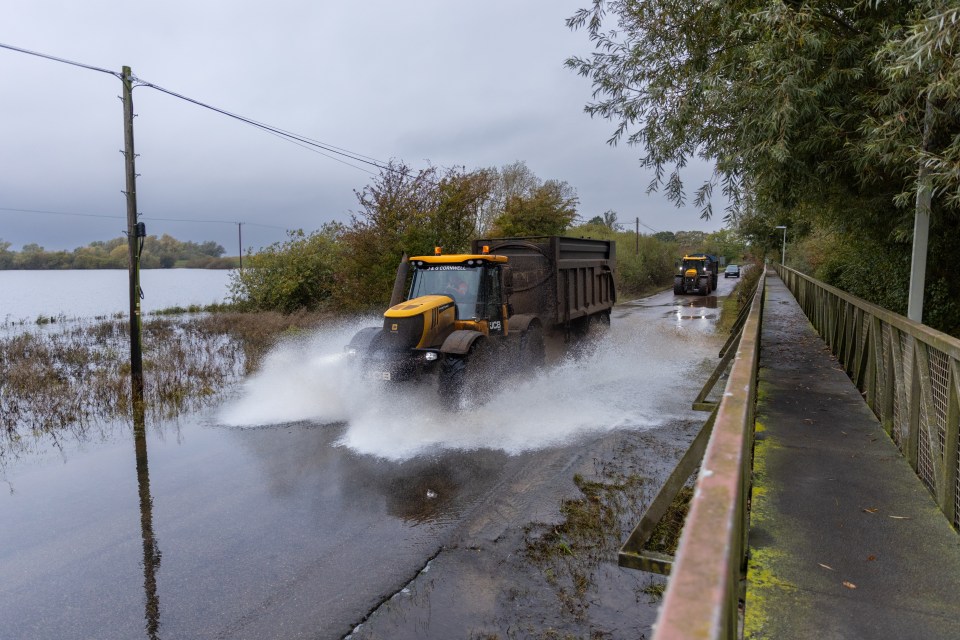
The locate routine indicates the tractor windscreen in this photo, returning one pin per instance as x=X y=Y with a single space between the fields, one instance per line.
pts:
x=454 y=281
x=699 y=265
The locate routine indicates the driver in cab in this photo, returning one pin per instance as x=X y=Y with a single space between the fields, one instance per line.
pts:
x=456 y=286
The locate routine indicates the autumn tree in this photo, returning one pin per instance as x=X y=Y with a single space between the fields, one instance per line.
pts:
x=548 y=210
x=511 y=180
x=299 y=273
x=406 y=211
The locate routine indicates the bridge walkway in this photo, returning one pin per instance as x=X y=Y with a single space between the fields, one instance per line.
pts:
x=845 y=541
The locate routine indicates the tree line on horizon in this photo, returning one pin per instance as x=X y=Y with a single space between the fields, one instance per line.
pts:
x=163 y=252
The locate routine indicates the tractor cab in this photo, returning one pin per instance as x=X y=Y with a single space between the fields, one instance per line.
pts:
x=474 y=282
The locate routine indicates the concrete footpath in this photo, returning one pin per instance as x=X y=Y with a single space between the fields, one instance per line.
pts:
x=845 y=540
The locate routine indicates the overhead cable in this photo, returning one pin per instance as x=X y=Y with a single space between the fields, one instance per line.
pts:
x=63 y=60
x=140 y=216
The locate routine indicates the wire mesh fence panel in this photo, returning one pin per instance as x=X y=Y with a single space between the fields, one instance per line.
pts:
x=940 y=389
x=928 y=449
x=901 y=413
x=882 y=368
x=910 y=377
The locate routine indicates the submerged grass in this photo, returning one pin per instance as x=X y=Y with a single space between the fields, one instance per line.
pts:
x=569 y=553
x=63 y=378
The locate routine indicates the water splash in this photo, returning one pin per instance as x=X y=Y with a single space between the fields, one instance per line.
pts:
x=637 y=377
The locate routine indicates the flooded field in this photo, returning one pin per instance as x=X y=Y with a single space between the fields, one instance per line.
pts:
x=307 y=502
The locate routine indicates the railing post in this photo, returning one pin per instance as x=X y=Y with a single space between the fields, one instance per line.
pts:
x=910 y=449
x=949 y=502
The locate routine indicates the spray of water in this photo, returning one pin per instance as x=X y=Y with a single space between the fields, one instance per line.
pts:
x=637 y=377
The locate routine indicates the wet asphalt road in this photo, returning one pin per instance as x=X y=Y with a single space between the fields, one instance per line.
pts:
x=293 y=530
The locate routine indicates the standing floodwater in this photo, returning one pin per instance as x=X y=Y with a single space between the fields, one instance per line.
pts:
x=628 y=380
x=80 y=293
x=309 y=502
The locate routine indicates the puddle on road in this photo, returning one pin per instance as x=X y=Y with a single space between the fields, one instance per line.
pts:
x=630 y=381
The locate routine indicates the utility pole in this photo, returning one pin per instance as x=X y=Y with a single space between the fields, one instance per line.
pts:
x=134 y=233
x=921 y=224
x=783 y=250
x=638 y=235
x=240 y=243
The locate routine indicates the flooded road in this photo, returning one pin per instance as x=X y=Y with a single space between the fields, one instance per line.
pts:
x=311 y=506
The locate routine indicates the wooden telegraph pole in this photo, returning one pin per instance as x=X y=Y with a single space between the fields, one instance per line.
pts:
x=240 y=243
x=135 y=231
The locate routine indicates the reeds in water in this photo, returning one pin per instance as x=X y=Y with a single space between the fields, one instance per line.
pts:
x=71 y=375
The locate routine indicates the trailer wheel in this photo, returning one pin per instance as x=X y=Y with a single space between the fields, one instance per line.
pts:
x=532 y=349
x=464 y=378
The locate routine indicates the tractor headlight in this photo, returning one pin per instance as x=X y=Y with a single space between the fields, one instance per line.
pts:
x=430 y=356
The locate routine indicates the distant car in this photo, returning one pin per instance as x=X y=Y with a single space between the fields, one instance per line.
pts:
x=732 y=271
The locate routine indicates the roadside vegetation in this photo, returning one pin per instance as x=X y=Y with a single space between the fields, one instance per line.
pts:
x=351 y=267
x=740 y=297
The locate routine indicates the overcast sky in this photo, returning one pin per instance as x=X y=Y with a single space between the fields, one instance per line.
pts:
x=477 y=84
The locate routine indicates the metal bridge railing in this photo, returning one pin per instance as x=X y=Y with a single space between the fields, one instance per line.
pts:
x=702 y=597
x=908 y=373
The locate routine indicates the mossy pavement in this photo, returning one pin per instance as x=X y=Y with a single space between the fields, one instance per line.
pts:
x=845 y=540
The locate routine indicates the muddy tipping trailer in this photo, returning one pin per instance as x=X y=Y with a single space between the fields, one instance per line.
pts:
x=565 y=282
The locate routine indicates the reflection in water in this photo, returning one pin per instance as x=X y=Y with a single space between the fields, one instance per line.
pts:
x=151 y=552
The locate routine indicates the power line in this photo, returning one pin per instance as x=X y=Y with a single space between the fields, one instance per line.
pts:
x=63 y=213
x=647 y=226
x=297 y=138
x=63 y=60
x=142 y=217
x=302 y=141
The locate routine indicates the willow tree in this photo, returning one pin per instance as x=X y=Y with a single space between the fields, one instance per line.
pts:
x=811 y=112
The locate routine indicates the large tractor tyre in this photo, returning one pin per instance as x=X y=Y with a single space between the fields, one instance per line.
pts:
x=363 y=344
x=450 y=381
x=464 y=378
x=704 y=288
x=532 y=349
x=678 y=288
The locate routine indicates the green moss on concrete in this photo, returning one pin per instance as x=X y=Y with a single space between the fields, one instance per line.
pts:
x=763 y=582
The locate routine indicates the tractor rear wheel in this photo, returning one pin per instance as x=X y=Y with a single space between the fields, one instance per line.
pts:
x=465 y=378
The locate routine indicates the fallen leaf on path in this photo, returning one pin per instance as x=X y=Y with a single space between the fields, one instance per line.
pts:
x=826 y=566
x=901 y=517
x=849 y=585
x=871 y=558
x=870 y=510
